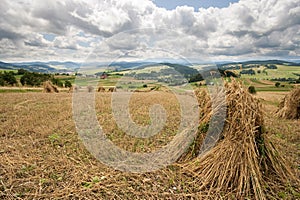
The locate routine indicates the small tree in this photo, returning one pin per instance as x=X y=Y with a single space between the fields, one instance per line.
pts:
x=277 y=84
x=9 y=78
x=251 y=90
x=2 y=82
x=68 y=84
x=34 y=79
x=21 y=71
x=57 y=82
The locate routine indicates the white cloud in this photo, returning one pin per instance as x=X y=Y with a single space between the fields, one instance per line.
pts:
x=36 y=39
x=246 y=29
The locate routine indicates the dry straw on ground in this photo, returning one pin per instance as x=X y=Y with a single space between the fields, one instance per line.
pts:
x=244 y=162
x=289 y=107
x=50 y=88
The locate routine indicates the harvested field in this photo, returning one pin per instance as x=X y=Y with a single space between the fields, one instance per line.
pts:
x=41 y=156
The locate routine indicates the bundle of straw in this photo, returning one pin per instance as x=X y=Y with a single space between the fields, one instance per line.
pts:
x=243 y=156
x=49 y=87
x=289 y=107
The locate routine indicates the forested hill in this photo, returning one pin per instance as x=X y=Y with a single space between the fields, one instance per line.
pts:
x=60 y=67
x=259 y=62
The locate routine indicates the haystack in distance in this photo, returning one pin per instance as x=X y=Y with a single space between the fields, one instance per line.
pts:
x=289 y=107
x=50 y=88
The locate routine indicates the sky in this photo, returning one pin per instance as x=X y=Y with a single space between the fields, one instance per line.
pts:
x=106 y=30
x=172 y=4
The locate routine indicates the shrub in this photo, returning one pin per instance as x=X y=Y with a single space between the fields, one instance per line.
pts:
x=9 y=78
x=249 y=71
x=277 y=84
x=68 y=84
x=251 y=90
x=57 y=82
x=21 y=71
x=2 y=83
x=34 y=79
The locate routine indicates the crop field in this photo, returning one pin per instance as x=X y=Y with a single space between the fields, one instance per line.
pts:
x=42 y=157
x=281 y=72
x=266 y=85
x=8 y=70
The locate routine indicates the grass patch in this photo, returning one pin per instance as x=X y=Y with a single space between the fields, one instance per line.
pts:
x=19 y=90
x=273 y=89
x=9 y=70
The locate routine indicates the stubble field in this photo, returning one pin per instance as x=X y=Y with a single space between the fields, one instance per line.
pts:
x=42 y=157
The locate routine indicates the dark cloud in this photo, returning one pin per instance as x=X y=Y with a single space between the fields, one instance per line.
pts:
x=9 y=35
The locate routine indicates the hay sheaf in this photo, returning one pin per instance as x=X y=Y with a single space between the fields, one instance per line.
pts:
x=101 y=89
x=72 y=89
x=243 y=161
x=50 y=88
x=289 y=107
x=112 y=89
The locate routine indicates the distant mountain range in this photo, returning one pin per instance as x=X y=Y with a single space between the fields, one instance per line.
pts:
x=67 y=67
x=43 y=67
x=261 y=62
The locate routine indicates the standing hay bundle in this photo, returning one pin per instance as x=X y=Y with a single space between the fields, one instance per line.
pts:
x=112 y=89
x=90 y=88
x=101 y=89
x=49 y=87
x=243 y=161
x=289 y=107
x=72 y=89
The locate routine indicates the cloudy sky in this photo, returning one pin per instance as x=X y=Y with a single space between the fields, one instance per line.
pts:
x=102 y=30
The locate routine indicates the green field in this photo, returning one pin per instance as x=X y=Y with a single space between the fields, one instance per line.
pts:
x=8 y=70
x=282 y=72
x=16 y=90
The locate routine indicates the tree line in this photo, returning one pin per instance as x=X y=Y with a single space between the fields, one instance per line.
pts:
x=30 y=78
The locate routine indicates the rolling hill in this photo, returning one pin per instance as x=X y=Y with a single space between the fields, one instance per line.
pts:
x=61 y=67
